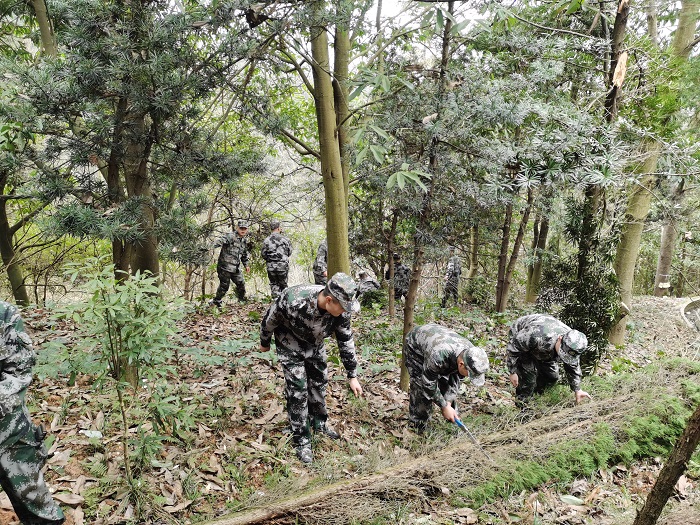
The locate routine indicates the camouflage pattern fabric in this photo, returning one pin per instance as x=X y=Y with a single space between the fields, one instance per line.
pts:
x=225 y=279
x=454 y=270
x=299 y=328
x=533 y=357
x=431 y=354
x=366 y=285
x=234 y=252
x=402 y=277
x=321 y=263
x=22 y=452
x=276 y=250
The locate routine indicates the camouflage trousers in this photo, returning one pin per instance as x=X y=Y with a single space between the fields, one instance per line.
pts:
x=451 y=289
x=23 y=482
x=535 y=376
x=278 y=282
x=319 y=278
x=400 y=293
x=305 y=379
x=419 y=407
x=225 y=279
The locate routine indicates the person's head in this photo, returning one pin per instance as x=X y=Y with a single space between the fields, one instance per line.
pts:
x=396 y=257
x=451 y=249
x=573 y=344
x=341 y=292
x=242 y=227
x=275 y=225
x=473 y=362
x=363 y=275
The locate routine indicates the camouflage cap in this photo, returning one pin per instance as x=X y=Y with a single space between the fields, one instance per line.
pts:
x=477 y=363
x=343 y=288
x=573 y=344
x=243 y=223
x=274 y=224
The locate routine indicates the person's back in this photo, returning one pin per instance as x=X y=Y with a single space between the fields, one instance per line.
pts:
x=276 y=250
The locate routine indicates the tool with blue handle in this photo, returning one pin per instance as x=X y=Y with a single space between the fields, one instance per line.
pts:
x=471 y=436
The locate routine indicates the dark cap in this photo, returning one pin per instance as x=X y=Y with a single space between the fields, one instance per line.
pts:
x=573 y=344
x=396 y=257
x=343 y=288
x=243 y=223
x=274 y=224
x=477 y=362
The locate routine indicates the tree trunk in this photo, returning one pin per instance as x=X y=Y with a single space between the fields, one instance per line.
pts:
x=48 y=42
x=473 y=251
x=669 y=237
x=331 y=164
x=628 y=249
x=674 y=467
x=424 y=215
x=391 y=237
x=503 y=257
x=8 y=253
x=539 y=243
x=516 y=251
x=640 y=198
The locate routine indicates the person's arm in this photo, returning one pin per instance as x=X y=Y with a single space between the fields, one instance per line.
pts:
x=244 y=253
x=573 y=375
x=270 y=321
x=221 y=241
x=346 y=346
x=16 y=362
x=513 y=351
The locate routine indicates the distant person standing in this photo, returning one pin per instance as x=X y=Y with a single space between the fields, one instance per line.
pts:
x=366 y=283
x=454 y=270
x=22 y=450
x=321 y=264
x=402 y=277
x=233 y=255
x=276 y=250
x=537 y=342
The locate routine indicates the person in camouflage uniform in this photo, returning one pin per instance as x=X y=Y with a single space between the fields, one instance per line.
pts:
x=366 y=284
x=276 y=250
x=22 y=451
x=536 y=342
x=234 y=253
x=437 y=358
x=402 y=276
x=321 y=264
x=300 y=319
x=454 y=270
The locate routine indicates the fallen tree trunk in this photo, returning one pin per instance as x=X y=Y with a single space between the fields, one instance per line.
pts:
x=461 y=464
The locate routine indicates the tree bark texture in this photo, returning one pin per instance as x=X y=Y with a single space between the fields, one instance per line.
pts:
x=669 y=240
x=638 y=205
x=503 y=256
x=672 y=470
x=48 y=41
x=534 y=274
x=9 y=255
x=331 y=165
x=473 y=251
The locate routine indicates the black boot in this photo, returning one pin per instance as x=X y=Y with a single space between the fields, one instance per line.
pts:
x=322 y=427
x=303 y=449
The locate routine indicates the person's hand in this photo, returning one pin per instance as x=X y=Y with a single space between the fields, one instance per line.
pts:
x=325 y=273
x=355 y=387
x=247 y=269
x=264 y=348
x=449 y=413
x=580 y=395
x=514 y=380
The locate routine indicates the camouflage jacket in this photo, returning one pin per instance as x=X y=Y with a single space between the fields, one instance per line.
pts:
x=454 y=269
x=321 y=262
x=276 y=250
x=433 y=350
x=402 y=277
x=17 y=358
x=295 y=315
x=234 y=251
x=534 y=336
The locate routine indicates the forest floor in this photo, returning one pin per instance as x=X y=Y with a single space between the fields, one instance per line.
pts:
x=229 y=450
